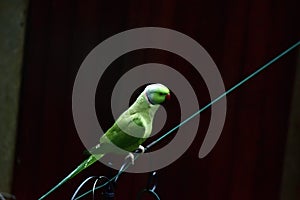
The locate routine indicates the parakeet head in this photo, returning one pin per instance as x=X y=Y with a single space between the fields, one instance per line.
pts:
x=157 y=93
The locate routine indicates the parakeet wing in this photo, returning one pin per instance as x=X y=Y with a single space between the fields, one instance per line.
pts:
x=127 y=133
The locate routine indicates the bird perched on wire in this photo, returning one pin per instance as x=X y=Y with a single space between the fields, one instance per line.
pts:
x=129 y=131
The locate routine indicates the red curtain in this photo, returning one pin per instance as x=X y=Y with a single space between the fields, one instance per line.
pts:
x=240 y=36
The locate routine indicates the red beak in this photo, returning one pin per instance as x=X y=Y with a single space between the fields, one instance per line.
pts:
x=168 y=96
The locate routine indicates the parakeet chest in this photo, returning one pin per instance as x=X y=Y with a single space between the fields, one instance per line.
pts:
x=138 y=125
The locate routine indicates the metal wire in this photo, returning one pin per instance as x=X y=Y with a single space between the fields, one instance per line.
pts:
x=136 y=155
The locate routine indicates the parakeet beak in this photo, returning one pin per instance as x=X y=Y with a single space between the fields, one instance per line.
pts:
x=168 y=96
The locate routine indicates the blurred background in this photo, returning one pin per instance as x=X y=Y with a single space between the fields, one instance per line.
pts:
x=43 y=43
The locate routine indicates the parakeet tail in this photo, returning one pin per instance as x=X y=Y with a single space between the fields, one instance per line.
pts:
x=85 y=164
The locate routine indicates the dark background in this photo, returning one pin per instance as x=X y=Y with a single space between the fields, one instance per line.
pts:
x=240 y=36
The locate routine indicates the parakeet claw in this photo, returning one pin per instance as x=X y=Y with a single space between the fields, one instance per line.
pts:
x=142 y=148
x=131 y=157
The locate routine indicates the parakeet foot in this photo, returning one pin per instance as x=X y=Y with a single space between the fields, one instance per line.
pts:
x=142 y=149
x=131 y=157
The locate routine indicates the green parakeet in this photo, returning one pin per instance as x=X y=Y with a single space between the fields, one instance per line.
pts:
x=129 y=131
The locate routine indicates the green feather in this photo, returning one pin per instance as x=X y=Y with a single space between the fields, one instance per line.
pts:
x=130 y=130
